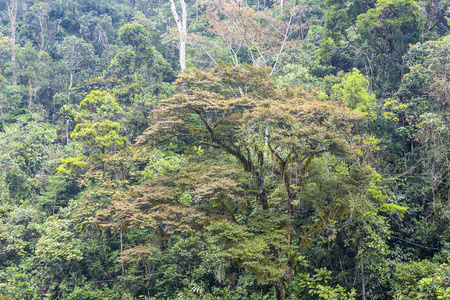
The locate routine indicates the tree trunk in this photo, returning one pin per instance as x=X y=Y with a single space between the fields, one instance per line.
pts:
x=363 y=280
x=30 y=95
x=3 y=120
x=286 y=35
x=182 y=30
x=67 y=131
x=279 y=289
x=262 y=195
x=42 y=23
x=71 y=82
x=12 y=11
x=121 y=250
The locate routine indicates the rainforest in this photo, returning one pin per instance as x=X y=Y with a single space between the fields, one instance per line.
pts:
x=224 y=149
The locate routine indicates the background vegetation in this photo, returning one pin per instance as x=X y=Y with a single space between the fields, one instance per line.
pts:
x=240 y=149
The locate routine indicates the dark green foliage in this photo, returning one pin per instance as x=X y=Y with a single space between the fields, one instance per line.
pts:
x=325 y=178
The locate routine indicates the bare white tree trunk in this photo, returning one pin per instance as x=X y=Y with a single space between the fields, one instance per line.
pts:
x=285 y=35
x=182 y=30
x=71 y=83
x=44 y=26
x=67 y=132
x=12 y=11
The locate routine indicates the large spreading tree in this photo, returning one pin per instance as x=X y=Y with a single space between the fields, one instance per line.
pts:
x=251 y=202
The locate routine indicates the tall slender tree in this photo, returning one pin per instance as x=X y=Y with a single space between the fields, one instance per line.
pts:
x=182 y=29
x=76 y=52
x=12 y=12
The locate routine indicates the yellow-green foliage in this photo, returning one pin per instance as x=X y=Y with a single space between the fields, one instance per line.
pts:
x=97 y=132
x=393 y=109
x=420 y=280
x=72 y=163
x=98 y=105
x=392 y=208
x=58 y=242
x=353 y=91
x=372 y=142
x=104 y=134
x=252 y=251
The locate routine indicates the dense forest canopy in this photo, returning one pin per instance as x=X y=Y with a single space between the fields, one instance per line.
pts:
x=224 y=149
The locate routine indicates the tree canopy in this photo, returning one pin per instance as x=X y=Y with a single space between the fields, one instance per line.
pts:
x=254 y=149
